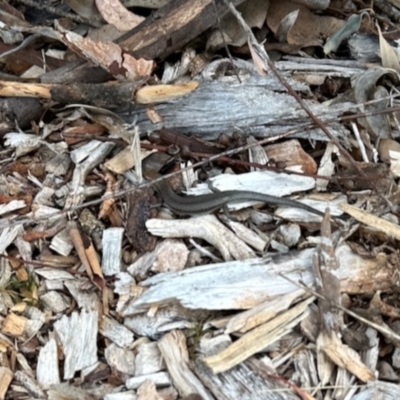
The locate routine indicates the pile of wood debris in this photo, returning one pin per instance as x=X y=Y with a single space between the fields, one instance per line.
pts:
x=105 y=293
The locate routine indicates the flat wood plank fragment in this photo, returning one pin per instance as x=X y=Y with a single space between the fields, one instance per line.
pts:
x=216 y=107
x=231 y=285
x=206 y=227
x=115 y=331
x=159 y=379
x=245 y=284
x=344 y=357
x=53 y=273
x=120 y=359
x=55 y=301
x=112 y=248
x=14 y=325
x=36 y=320
x=176 y=357
x=258 y=339
x=147 y=391
x=12 y=206
x=47 y=371
x=84 y=298
x=148 y=359
x=241 y=382
x=260 y=314
x=61 y=243
x=78 y=335
x=8 y=235
x=127 y=395
x=6 y=377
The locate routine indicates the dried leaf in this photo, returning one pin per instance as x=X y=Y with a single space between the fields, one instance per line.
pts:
x=257 y=60
x=352 y=25
x=308 y=26
x=253 y=12
x=285 y=26
x=388 y=54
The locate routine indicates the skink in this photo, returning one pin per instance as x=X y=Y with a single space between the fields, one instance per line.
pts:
x=207 y=203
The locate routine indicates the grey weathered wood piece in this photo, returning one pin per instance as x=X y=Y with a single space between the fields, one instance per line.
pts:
x=241 y=382
x=258 y=106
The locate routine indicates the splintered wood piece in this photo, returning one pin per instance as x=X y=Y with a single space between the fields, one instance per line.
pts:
x=245 y=284
x=8 y=236
x=176 y=357
x=116 y=332
x=47 y=371
x=30 y=385
x=86 y=159
x=217 y=106
x=112 y=248
x=14 y=325
x=247 y=235
x=259 y=338
x=78 y=335
x=21 y=89
x=147 y=391
x=11 y=206
x=327 y=285
x=61 y=242
x=120 y=359
x=55 y=301
x=5 y=343
x=241 y=379
x=260 y=314
x=84 y=298
x=206 y=227
x=148 y=359
x=6 y=377
x=36 y=320
x=159 y=379
x=327 y=281
x=344 y=356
